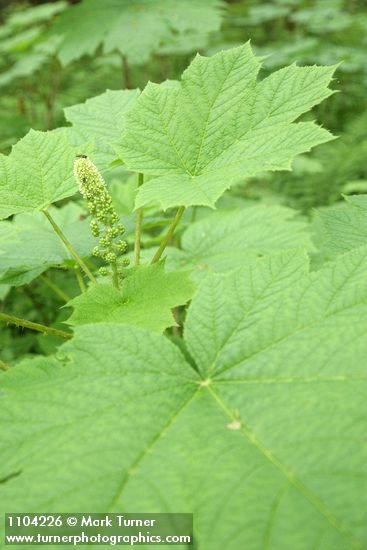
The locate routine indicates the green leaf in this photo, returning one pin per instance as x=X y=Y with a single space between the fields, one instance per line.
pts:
x=20 y=41
x=146 y=299
x=36 y=14
x=223 y=241
x=345 y=226
x=219 y=125
x=136 y=29
x=263 y=446
x=101 y=118
x=27 y=65
x=38 y=171
x=29 y=246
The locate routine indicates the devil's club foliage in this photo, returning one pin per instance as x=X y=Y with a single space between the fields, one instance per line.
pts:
x=29 y=246
x=345 y=226
x=146 y=299
x=267 y=437
x=219 y=124
x=100 y=119
x=36 y=173
x=136 y=28
x=223 y=241
x=255 y=420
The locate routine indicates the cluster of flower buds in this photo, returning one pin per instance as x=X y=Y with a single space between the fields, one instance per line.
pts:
x=105 y=223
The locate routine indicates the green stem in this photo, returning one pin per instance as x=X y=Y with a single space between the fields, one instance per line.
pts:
x=138 y=227
x=115 y=275
x=126 y=73
x=79 y=278
x=169 y=234
x=69 y=247
x=60 y=293
x=34 y=326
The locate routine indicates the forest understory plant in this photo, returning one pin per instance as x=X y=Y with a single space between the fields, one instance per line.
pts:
x=232 y=407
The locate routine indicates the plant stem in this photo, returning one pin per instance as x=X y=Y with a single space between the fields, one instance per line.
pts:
x=126 y=72
x=169 y=234
x=60 y=293
x=115 y=275
x=34 y=326
x=78 y=260
x=79 y=278
x=52 y=93
x=138 y=227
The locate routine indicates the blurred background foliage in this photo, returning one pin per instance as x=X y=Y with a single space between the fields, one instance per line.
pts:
x=59 y=53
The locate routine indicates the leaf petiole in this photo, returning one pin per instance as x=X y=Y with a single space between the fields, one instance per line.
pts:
x=79 y=278
x=138 y=227
x=169 y=234
x=69 y=247
x=34 y=326
x=60 y=293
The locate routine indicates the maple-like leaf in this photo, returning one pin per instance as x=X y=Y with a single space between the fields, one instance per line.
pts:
x=38 y=171
x=345 y=225
x=136 y=28
x=219 y=124
x=101 y=119
x=223 y=241
x=146 y=299
x=262 y=440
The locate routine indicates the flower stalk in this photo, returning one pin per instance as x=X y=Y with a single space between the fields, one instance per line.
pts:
x=105 y=223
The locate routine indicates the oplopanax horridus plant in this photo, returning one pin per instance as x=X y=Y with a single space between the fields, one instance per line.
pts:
x=197 y=136
x=261 y=440
x=250 y=412
x=136 y=29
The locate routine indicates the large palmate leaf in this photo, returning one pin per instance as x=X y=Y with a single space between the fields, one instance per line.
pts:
x=136 y=28
x=219 y=124
x=223 y=241
x=147 y=296
x=102 y=119
x=264 y=443
x=29 y=245
x=38 y=171
x=345 y=226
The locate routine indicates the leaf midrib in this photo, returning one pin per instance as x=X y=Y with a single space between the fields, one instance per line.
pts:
x=292 y=479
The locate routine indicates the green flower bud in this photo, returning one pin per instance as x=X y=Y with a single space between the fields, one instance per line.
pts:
x=103 y=271
x=105 y=223
x=121 y=246
x=104 y=241
x=110 y=257
x=125 y=262
x=94 y=227
x=90 y=182
x=113 y=232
